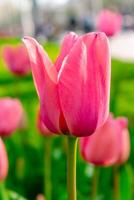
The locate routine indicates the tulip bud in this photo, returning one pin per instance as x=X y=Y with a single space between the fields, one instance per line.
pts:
x=109 y=145
x=17 y=60
x=73 y=92
x=109 y=22
x=11 y=113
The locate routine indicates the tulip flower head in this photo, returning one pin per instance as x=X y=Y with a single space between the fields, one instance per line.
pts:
x=74 y=91
x=41 y=126
x=109 y=22
x=3 y=161
x=17 y=60
x=11 y=113
x=109 y=145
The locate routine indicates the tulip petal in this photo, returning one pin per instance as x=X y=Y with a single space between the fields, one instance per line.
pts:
x=125 y=147
x=41 y=127
x=124 y=140
x=84 y=81
x=123 y=122
x=41 y=65
x=45 y=79
x=66 y=46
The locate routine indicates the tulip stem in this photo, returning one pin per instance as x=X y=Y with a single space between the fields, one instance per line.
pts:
x=116 y=192
x=47 y=167
x=95 y=183
x=71 y=167
x=3 y=192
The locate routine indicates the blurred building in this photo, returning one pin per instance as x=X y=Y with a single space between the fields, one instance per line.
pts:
x=45 y=17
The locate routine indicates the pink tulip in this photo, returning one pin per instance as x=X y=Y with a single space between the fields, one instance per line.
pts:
x=41 y=126
x=11 y=113
x=73 y=92
x=109 y=22
x=109 y=145
x=3 y=161
x=17 y=60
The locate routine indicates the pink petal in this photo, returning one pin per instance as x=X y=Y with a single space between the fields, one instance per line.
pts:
x=123 y=122
x=41 y=65
x=3 y=161
x=124 y=140
x=125 y=150
x=84 y=84
x=66 y=46
x=41 y=126
x=45 y=79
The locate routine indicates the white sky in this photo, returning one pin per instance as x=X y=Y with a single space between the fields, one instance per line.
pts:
x=16 y=2
x=52 y=1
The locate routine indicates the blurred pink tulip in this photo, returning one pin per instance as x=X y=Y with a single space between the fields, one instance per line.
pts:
x=41 y=126
x=17 y=59
x=11 y=113
x=109 y=22
x=40 y=197
x=3 y=161
x=109 y=145
x=73 y=92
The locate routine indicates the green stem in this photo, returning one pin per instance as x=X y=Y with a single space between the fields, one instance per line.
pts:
x=95 y=183
x=71 y=168
x=3 y=192
x=47 y=168
x=116 y=192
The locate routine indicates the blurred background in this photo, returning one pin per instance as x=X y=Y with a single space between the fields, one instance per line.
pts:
x=48 y=21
